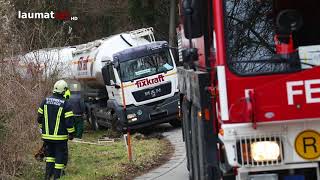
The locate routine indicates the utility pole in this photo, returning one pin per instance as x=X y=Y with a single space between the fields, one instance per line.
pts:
x=172 y=23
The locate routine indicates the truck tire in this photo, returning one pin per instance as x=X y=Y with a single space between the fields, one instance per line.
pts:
x=175 y=123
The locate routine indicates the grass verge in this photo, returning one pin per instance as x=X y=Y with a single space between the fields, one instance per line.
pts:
x=93 y=161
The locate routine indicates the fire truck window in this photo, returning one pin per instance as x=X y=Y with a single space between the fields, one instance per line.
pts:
x=251 y=30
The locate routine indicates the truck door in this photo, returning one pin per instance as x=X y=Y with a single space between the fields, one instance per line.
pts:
x=110 y=82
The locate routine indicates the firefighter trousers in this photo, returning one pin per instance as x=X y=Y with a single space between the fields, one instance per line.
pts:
x=78 y=124
x=56 y=158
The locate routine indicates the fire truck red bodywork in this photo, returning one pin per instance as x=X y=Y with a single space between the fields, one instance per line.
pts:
x=287 y=99
x=270 y=91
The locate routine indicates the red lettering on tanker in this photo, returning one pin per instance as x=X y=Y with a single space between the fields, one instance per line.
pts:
x=146 y=81
x=83 y=64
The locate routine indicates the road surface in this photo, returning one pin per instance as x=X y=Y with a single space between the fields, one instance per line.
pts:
x=175 y=168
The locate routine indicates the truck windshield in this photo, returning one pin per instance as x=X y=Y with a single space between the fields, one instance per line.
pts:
x=251 y=31
x=146 y=66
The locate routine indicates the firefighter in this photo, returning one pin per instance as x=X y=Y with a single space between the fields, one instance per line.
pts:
x=55 y=117
x=40 y=155
x=78 y=108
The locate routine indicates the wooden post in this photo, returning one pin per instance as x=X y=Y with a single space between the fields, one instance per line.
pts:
x=128 y=143
x=129 y=146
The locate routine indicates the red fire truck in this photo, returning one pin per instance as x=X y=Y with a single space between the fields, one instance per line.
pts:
x=250 y=88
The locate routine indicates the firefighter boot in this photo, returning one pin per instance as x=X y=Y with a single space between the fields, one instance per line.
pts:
x=57 y=173
x=49 y=170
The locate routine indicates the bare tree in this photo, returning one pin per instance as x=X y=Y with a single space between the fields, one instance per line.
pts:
x=22 y=85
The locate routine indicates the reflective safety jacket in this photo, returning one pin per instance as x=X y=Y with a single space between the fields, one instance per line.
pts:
x=67 y=94
x=55 y=118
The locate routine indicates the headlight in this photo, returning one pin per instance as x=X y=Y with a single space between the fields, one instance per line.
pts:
x=132 y=117
x=252 y=151
x=265 y=151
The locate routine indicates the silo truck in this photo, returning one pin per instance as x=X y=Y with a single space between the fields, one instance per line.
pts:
x=127 y=80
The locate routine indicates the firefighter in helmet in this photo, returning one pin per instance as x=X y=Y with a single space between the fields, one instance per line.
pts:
x=78 y=108
x=55 y=118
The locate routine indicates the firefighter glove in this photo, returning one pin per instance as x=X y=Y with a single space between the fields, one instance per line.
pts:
x=71 y=136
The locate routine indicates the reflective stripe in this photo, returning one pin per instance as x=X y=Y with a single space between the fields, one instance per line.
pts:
x=56 y=128
x=50 y=159
x=58 y=166
x=67 y=94
x=46 y=119
x=54 y=137
x=70 y=130
x=223 y=96
x=40 y=111
x=68 y=114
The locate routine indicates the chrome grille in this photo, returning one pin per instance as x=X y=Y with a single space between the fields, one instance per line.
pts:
x=244 y=150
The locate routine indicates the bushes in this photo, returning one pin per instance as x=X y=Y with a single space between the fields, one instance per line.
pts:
x=19 y=132
x=19 y=97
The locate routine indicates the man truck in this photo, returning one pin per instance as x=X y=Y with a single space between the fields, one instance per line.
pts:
x=250 y=88
x=127 y=80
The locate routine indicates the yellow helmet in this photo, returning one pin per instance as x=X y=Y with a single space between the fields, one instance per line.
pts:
x=60 y=87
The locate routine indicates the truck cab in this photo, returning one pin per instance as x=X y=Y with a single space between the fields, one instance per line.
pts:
x=142 y=85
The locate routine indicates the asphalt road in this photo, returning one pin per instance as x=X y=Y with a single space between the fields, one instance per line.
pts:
x=175 y=168
x=178 y=173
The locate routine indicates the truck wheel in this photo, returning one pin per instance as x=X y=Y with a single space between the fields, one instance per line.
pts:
x=93 y=121
x=175 y=123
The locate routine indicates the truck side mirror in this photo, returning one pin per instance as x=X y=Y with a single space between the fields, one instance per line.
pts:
x=192 y=18
x=105 y=75
x=190 y=55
